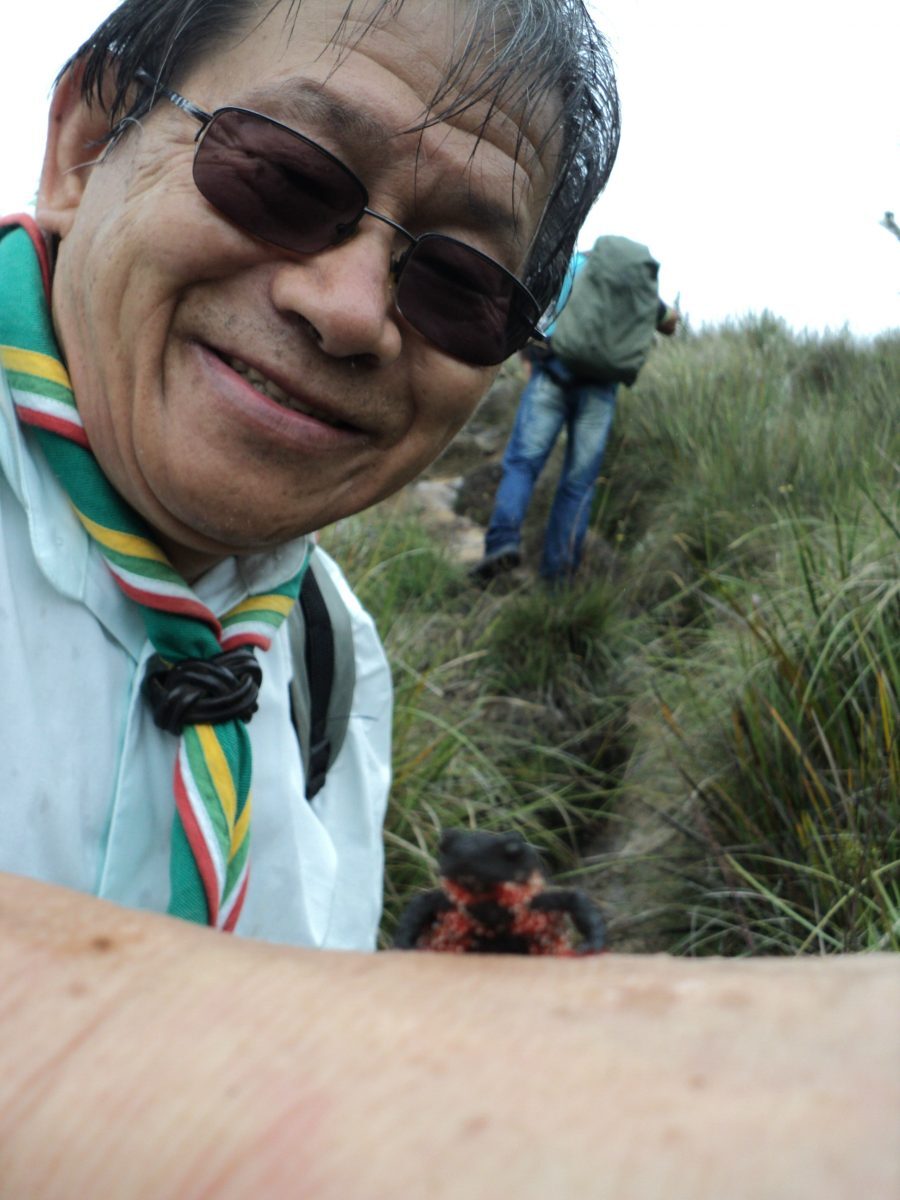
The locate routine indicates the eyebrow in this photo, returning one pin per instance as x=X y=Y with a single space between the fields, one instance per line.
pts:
x=298 y=100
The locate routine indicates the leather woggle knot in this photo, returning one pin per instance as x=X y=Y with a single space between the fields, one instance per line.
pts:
x=203 y=691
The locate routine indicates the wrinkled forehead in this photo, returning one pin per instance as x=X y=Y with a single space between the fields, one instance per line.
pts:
x=462 y=48
x=450 y=55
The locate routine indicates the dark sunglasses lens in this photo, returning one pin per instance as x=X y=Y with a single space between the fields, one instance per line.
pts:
x=275 y=183
x=464 y=302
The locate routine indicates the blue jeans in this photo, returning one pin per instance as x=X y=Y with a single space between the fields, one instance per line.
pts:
x=586 y=409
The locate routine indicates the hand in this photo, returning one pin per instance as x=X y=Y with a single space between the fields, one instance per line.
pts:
x=669 y=322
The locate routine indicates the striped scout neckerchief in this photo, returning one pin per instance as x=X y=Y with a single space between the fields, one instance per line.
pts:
x=210 y=835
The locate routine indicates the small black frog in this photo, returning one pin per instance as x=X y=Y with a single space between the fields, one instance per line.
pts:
x=494 y=899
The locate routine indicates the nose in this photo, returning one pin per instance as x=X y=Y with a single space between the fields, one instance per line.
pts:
x=344 y=293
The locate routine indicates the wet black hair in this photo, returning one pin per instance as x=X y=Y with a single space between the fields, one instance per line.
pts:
x=521 y=55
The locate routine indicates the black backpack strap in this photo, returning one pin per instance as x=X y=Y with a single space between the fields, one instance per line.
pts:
x=324 y=677
x=320 y=676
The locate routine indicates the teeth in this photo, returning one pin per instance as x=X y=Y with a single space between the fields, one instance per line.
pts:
x=271 y=389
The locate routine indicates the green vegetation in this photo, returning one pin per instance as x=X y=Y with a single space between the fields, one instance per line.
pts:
x=705 y=731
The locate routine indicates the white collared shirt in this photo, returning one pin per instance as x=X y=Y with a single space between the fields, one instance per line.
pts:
x=86 y=776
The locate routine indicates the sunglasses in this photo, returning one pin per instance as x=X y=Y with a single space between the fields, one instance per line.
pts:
x=285 y=189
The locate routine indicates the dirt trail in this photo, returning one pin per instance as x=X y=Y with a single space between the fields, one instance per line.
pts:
x=432 y=501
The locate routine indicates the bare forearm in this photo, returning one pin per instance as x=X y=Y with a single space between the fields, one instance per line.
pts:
x=143 y=1057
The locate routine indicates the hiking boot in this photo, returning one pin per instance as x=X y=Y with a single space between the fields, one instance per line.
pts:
x=495 y=564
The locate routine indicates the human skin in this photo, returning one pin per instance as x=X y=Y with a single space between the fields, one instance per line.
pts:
x=152 y=285
x=144 y=1057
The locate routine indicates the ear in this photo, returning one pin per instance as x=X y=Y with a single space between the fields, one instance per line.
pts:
x=74 y=144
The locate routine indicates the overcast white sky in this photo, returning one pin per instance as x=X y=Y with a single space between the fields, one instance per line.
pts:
x=759 y=153
x=759 y=147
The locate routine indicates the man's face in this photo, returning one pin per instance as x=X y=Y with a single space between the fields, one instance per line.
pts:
x=162 y=305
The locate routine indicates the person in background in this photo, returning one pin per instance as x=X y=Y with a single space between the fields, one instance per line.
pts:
x=604 y=321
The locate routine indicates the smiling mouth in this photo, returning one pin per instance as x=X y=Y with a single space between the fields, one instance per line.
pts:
x=273 y=391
